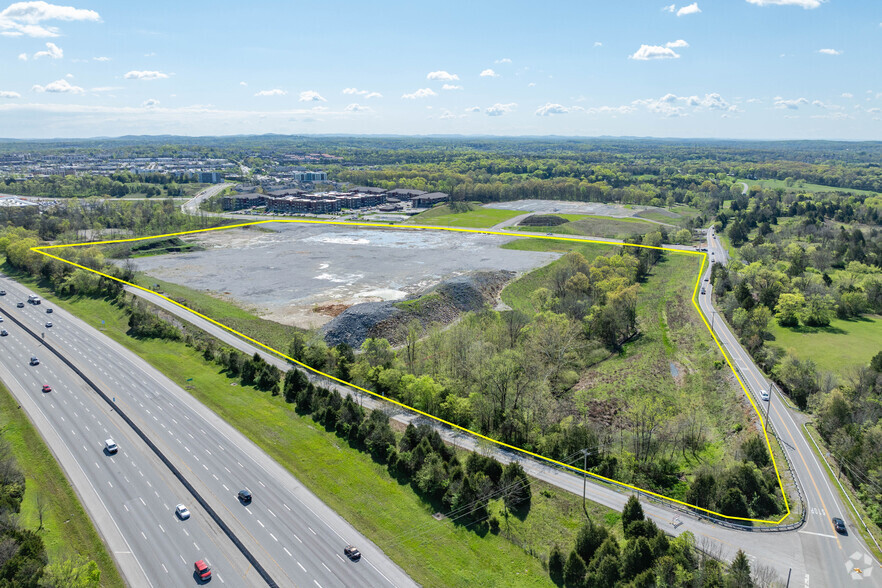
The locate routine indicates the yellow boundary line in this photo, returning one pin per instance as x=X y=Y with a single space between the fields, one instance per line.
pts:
x=425 y=414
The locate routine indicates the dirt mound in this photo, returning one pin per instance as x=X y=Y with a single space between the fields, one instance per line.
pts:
x=331 y=309
x=443 y=303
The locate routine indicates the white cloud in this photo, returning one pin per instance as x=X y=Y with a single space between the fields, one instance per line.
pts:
x=691 y=9
x=58 y=87
x=52 y=51
x=101 y=58
x=69 y=76
x=448 y=115
x=145 y=75
x=243 y=84
x=421 y=93
x=366 y=93
x=598 y=44
x=847 y=95
x=670 y=8
x=503 y=60
x=489 y=73
x=830 y=51
x=273 y=92
x=550 y=109
x=500 y=109
x=610 y=110
x=105 y=89
x=311 y=96
x=357 y=108
x=24 y=18
x=23 y=56
x=531 y=85
x=807 y=4
x=826 y=105
x=676 y=44
x=473 y=109
x=451 y=87
x=442 y=76
x=151 y=103
x=791 y=104
x=671 y=105
x=9 y=94
x=647 y=52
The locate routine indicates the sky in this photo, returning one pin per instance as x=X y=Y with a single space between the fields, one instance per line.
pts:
x=741 y=69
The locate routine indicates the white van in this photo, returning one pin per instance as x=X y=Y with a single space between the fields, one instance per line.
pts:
x=110 y=446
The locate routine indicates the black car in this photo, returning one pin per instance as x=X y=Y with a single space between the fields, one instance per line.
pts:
x=20 y=305
x=49 y=310
x=2 y=292
x=3 y=333
x=839 y=525
x=245 y=495
x=352 y=553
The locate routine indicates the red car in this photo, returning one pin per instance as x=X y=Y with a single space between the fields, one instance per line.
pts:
x=202 y=570
x=47 y=388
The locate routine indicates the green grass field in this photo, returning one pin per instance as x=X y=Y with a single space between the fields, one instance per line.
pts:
x=837 y=348
x=598 y=226
x=802 y=187
x=67 y=529
x=351 y=483
x=479 y=217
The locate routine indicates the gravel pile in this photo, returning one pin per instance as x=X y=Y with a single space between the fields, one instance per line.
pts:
x=442 y=304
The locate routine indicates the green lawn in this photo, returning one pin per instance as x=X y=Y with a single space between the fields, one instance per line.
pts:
x=837 y=348
x=803 y=187
x=598 y=226
x=479 y=217
x=67 y=530
x=351 y=483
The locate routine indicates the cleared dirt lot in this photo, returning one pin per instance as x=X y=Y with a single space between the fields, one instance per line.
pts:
x=287 y=273
x=596 y=208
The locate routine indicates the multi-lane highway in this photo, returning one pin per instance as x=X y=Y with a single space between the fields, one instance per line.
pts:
x=294 y=536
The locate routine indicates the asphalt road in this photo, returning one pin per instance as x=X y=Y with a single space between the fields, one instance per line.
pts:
x=130 y=495
x=191 y=206
x=826 y=553
x=297 y=538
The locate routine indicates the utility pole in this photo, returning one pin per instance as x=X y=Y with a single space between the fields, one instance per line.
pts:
x=584 y=477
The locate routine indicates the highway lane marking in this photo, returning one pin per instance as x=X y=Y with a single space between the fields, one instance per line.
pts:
x=286 y=506
x=109 y=484
x=196 y=546
x=228 y=470
x=215 y=477
x=316 y=582
x=143 y=535
x=296 y=537
x=301 y=566
x=182 y=558
x=205 y=466
x=225 y=487
x=85 y=448
x=313 y=532
x=271 y=512
x=142 y=501
x=185 y=532
x=326 y=567
x=261 y=483
x=160 y=527
x=164 y=568
x=240 y=464
x=126 y=507
x=338 y=556
x=274 y=537
x=97 y=466
x=262 y=526
x=288 y=552
x=818 y=534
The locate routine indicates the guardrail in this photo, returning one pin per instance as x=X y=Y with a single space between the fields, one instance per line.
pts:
x=172 y=468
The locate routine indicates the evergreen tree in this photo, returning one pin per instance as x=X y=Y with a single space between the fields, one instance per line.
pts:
x=556 y=565
x=574 y=571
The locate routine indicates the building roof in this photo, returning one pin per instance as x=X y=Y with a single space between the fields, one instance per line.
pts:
x=369 y=190
x=406 y=191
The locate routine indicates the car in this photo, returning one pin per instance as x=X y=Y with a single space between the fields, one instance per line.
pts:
x=49 y=324
x=1 y=319
x=182 y=511
x=839 y=525
x=203 y=572
x=549 y=233
x=352 y=553
x=245 y=495
x=111 y=446
x=48 y=311
x=707 y=279
x=3 y=333
x=764 y=394
x=20 y=305
x=47 y=388
x=35 y=361
x=702 y=291
x=2 y=292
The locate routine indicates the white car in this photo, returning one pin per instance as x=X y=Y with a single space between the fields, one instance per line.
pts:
x=764 y=394
x=111 y=446
x=182 y=512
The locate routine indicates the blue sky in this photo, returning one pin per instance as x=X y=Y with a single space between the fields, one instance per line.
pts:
x=766 y=69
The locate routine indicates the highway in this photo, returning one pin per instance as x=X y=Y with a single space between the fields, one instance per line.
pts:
x=130 y=496
x=826 y=552
x=295 y=537
x=191 y=206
